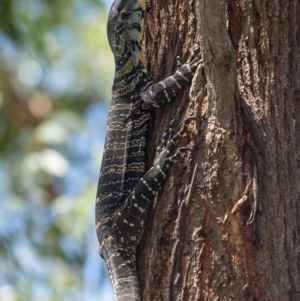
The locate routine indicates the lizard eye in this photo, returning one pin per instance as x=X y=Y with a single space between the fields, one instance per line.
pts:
x=126 y=13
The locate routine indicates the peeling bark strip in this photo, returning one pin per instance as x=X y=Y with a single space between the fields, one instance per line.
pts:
x=238 y=238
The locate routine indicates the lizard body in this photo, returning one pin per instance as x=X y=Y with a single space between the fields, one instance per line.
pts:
x=124 y=189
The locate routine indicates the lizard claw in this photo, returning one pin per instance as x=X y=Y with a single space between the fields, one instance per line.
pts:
x=178 y=61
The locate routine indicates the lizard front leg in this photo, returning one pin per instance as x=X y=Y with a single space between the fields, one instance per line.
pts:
x=158 y=94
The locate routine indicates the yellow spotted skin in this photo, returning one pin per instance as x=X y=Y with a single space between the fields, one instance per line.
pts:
x=124 y=189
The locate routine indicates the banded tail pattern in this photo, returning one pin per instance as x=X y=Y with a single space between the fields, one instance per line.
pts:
x=124 y=189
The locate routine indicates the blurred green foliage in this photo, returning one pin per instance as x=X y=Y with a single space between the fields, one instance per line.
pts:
x=56 y=71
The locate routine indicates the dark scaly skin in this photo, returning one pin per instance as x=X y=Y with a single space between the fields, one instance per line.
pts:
x=124 y=189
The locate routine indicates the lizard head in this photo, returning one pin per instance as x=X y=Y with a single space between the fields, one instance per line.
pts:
x=124 y=30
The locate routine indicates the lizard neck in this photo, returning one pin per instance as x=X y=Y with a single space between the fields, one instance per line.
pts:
x=125 y=31
x=129 y=77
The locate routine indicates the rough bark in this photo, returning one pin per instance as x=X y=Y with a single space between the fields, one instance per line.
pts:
x=231 y=231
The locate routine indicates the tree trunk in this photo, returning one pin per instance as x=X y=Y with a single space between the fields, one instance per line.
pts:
x=226 y=224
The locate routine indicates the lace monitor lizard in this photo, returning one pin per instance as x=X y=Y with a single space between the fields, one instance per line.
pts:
x=124 y=189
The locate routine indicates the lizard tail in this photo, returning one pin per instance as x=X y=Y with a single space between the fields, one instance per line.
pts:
x=122 y=272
